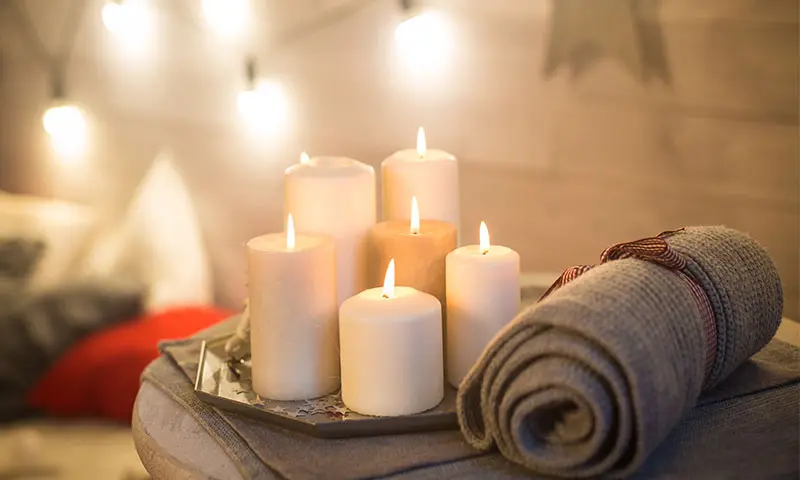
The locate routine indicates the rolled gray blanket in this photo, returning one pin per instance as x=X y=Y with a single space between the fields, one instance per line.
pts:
x=591 y=379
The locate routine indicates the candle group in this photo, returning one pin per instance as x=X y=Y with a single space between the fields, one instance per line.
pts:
x=315 y=324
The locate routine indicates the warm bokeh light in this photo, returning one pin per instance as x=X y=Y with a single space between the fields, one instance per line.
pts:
x=424 y=42
x=227 y=17
x=290 y=236
x=304 y=158
x=263 y=107
x=422 y=145
x=414 y=216
x=388 y=281
x=66 y=126
x=64 y=120
x=69 y=150
x=485 y=245
x=127 y=18
x=113 y=14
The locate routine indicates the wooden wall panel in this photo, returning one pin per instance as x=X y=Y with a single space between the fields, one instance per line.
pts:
x=723 y=156
x=709 y=11
x=558 y=167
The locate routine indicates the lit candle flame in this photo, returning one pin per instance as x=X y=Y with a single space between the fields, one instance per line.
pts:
x=388 y=281
x=422 y=147
x=414 y=216
x=484 y=239
x=304 y=158
x=290 y=241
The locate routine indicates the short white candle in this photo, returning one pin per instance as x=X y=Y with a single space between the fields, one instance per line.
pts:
x=391 y=350
x=293 y=307
x=483 y=295
x=335 y=196
x=429 y=175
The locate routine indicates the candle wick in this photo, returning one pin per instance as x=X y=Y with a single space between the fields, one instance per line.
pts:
x=484 y=252
x=385 y=296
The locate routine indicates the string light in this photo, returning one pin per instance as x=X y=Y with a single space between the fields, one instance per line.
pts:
x=64 y=122
x=423 y=38
x=228 y=17
x=126 y=18
x=262 y=104
x=130 y=22
x=66 y=126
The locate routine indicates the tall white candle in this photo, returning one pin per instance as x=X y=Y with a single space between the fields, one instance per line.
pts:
x=483 y=295
x=429 y=175
x=293 y=308
x=391 y=350
x=335 y=196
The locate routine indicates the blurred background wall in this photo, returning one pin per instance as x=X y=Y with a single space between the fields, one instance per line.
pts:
x=577 y=123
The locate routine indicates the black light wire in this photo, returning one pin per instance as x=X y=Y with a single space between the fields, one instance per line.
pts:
x=56 y=62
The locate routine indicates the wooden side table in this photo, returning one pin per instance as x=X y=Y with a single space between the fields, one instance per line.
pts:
x=172 y=445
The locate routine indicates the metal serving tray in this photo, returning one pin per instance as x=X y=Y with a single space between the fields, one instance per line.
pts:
x=226 y=384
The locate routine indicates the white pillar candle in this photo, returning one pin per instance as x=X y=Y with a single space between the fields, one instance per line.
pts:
x=391 y=350
x=335 y=196
x=293 y=307
x=483 y=295
x=429 y=175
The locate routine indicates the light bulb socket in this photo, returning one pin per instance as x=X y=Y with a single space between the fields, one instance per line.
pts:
x=410 y=9
x=250 y=72
x=57 y=88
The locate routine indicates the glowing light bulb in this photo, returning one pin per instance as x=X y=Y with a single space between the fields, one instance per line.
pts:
x=388 y=281
x=414 y=216
x=128 y=18
x=304 y=158
x=290 y=236
x=63 y=120
x=422 y=146
x=66 y=126
x=113 y=16
x=228 y=17
x=263 y=107
x=424 y=41
x=484 y=236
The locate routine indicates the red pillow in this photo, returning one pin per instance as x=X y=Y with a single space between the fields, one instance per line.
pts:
x=99 y=376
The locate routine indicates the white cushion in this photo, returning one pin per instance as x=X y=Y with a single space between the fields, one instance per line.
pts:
x=159 y=242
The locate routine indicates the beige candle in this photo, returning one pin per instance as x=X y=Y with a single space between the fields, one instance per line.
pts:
x=293 y=315
x=335 y=196
x=418 y=247
x=430 y=175
x=483 y=295
x=391 y=350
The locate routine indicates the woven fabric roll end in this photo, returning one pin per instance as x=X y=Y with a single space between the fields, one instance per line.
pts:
x=744 y=288
x=468 y=401
x=590 y=380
